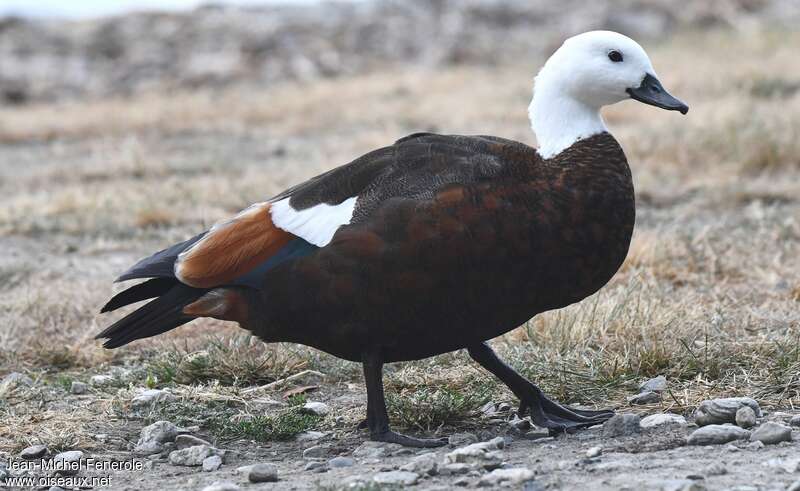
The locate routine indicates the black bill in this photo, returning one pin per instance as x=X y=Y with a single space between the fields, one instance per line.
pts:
x=651 y=92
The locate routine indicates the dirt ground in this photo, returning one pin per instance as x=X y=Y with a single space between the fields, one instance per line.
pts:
x=708 y=296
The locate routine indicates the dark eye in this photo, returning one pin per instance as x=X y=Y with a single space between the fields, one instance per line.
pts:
x=615 y=56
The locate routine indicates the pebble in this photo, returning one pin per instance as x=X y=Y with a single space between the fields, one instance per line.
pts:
x=338 y=462
x=374 y=450
x=594 y=452
x=316 y=408
x=520 y=424
x=396 y=478
x=78 y=388
x=623 y=424
x=193 y=456
x=770 y=433
x=154 y=436
x=425 y=464
x=477 y=452
x=315 y=452
x=263 y=473
x=186 y=441
x=795 y=421
x=454 y=469
x=310 y=436
x=716 y=469
x=756 y=445
x=718 y=411
x=506 y=477
x=459 y=439
x=210 y=464
x=795 y=486
x=70 y=457
x=100 y=380
x=717 y=434
x=316 y=466
x=647 y=397
x=656 y=384
x=152 y=397
x=745 y=417
x=222 y=486
x=33 y=452
x=655 y=420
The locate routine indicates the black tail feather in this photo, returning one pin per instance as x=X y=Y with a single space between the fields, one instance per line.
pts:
x=155 y=317
x=151 y=288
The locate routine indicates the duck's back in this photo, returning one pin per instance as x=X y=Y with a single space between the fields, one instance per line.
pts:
x=456 y=242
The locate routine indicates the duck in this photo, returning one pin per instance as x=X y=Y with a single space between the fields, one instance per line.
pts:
x=432 y=244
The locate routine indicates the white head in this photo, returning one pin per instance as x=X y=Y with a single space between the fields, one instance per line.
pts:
x=587 y=72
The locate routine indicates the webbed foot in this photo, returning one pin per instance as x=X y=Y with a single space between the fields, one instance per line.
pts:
x=549 y=414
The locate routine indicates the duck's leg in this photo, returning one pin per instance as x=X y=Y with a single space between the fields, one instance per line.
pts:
x=377 y=417
x=544 y=412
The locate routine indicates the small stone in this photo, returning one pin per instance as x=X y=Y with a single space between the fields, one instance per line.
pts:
x=477 y=452
x=756 y=445
x=396 y=478
x=647 y=397
x=795 y=421
x=716 y=469
x=795 y=486
x=33 y=452
x=732 y=448
x=655 y=420
x=68 y=463
x=454 y=469
x=745 y=417
x=222 y=486
x=154 y=436
x=14 y=380
x=770 y=433
x=506 y=477
x=594 y=452
x=719 y=411
x=210 y=464
x=537 y=435
x=100 y=380
x=316 y=408
x=623 y=424
x=354 y=481
x=186 y=441
x=459 y=439
x=152 y=397
x=263 y=473
x=519 y=424
x=316 y=466
x=656 y=384
x=310 y=436
x=193 y=456
x=338 y=462
x=315 y=452
x=375 y=450
x=425 y=464
x=78 y=388
x=717 y=434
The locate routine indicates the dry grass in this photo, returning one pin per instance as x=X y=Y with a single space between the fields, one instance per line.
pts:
x=709 y=295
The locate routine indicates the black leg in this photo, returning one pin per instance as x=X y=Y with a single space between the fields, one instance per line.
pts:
x=544 y=412
x=377 y=417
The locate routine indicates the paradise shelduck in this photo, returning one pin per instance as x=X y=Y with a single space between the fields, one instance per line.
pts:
x=429 y=245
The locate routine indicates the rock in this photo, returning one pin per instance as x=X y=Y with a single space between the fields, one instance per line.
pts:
x=222 y=486
x=656 y=384
x=154 y=436
x=78 y=388
x=795 y=486
x=716 y=469
x=186 y=441
x=506 y=477
x=152 y=397
x=454 y=469
x=655 y=420
x=375 y=450
x=193 y=456
x=459 y=439
x=647 y=397
x=316 y=408
x=263 y=473
x=594 y=452
x=210 y=464
x=795 y=421
x=718 y=411
x=756 y=445
x=354 y=481
x=101 y=380
x=717 y=434
x=425 y=464
x=519 y=424
x=316 y=466
x=482 y=452
x=310 y=436
x=68 y=463
x=14 y=380
x=622 y=424
x=315 y=452
x=338 y=462
x=770 y=433
x=33 y=452
x=396 y=478
x=678 y=485
x=745 y=417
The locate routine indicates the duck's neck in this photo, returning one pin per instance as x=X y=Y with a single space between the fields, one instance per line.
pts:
x=560 y=120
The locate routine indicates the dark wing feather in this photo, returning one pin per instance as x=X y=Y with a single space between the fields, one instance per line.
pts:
x=149 y=289
x=161 y=264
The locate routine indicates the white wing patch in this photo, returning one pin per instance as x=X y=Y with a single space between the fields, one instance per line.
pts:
x=316 y=224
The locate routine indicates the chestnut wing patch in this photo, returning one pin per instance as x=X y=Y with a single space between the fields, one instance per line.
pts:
x=232 y=248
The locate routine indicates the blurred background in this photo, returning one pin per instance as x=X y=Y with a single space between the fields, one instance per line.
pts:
x=125 y=128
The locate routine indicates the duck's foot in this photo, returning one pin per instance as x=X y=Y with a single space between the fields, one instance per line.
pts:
x=549 y=414
x=390 y=436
